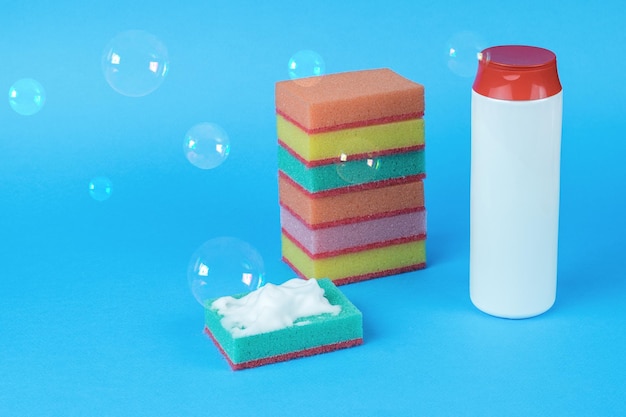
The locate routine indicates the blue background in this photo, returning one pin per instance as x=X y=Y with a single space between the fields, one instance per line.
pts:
x=96 y=318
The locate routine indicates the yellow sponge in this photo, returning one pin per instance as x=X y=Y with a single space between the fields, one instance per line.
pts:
x=322 y=148
x=357 y=266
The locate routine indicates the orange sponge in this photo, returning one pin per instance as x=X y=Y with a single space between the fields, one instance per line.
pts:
x=350 y=99
x=323 y=211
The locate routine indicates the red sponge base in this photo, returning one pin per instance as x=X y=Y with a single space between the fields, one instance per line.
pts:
x=284 y=357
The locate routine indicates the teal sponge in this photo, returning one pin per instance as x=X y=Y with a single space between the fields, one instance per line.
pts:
x=352 y=172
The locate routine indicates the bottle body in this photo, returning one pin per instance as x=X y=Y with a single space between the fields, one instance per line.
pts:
x=514 y=204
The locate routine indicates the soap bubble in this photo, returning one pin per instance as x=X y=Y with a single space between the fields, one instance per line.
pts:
x=358 y=168
x=224 y=266
x=135 y=63
x=358 y=171
x=462 y=51
x=206 y=145
x=27 y=96
x=100 y=188
x=304 y=64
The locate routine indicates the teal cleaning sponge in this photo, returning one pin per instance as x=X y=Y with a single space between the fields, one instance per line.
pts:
x=353 y=172
x=262 y=342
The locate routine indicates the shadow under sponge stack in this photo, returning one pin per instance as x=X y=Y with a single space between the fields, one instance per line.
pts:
x=351 y=165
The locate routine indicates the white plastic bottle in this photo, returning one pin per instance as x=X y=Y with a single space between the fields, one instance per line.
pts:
x=515 y=169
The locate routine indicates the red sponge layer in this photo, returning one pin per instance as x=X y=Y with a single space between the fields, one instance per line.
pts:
x=284 y=357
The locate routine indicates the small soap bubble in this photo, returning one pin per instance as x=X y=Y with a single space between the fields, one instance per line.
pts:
x=206 y=145
x=224 y=266
x=100 y=188
x=354 y=166
x=358 y=170
x=135 y=63
x=305 y=64
x=27 y=96
x=462 y=53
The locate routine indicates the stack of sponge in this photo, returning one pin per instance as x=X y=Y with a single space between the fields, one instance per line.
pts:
x=351 y=165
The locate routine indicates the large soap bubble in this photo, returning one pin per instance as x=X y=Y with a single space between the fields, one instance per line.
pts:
x=224 y=266
x=135 y=63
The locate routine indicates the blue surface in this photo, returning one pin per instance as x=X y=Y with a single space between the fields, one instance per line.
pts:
x=96 y=318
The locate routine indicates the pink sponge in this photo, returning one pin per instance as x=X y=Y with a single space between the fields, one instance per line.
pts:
x=355 y=236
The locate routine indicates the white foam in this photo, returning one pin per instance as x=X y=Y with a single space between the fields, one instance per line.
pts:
x=273 y=307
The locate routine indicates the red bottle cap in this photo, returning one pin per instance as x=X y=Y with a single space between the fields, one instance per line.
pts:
x=517 y=72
